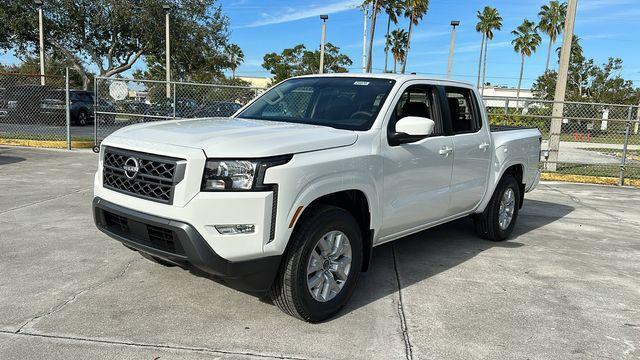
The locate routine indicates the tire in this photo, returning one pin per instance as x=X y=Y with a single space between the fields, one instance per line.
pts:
x=488 y=224
x=156 y=260
x=291 y=290
x=82 y=119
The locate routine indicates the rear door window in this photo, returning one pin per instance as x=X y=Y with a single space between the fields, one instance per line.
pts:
x=464 y=114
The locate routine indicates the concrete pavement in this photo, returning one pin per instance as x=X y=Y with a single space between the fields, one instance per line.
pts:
x=567 y=285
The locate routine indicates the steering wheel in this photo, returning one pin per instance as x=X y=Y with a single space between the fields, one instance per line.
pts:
x=355 y=114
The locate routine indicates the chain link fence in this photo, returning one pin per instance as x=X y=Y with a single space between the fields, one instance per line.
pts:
x=122 y=102
x=33 y=108
x=596 y=141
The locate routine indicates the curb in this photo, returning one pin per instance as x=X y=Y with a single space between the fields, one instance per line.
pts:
x=57 y=144
x=602 y=180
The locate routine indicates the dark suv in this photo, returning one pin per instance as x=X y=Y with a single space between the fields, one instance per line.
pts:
x=81 y=106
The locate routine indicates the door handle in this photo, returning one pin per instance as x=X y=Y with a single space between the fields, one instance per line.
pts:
x=445 y=151
x=483 y=146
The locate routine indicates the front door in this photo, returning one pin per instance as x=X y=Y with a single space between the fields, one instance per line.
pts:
x=417 y=175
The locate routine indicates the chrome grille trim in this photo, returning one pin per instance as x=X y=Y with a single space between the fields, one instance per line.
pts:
x=155 y=180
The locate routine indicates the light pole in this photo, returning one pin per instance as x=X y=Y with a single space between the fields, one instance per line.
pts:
x=452 y=43
x=324 y=35
x=364 y=39
x=166 y=9
x=39 y=5
x=561 y=86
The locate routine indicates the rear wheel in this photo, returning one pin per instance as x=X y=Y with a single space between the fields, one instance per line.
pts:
x=321 y=268
x=497 y=221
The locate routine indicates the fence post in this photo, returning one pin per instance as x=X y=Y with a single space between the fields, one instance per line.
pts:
x=625 y=146
x=506 y=111
x=95 y=115
x=67 y=107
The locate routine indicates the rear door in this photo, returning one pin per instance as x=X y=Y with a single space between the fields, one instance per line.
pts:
x=471 y=148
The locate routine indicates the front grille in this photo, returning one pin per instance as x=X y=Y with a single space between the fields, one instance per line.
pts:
x=149 y=235
x=155 y=179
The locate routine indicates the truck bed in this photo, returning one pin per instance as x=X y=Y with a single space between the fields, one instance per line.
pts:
x=497 y=128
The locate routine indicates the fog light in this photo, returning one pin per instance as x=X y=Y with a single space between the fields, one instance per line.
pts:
x=236 y=229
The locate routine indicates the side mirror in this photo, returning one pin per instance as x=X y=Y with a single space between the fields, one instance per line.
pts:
x=411 y=129
x=415 y=126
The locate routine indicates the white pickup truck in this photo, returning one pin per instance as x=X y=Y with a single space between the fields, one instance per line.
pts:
x=290 y=194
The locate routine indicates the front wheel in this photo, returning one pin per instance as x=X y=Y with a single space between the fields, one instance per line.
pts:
x=498 y=219
x=321 y=268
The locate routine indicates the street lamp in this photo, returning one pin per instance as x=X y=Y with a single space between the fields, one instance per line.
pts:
x=166 y=9
x=324 y=34
x=454 y=24
x=39 y=4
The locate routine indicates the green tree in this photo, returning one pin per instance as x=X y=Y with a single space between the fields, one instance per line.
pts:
x=552 y=18
x=113 y=35
x=588 y=81
x=525 y=43
x=298 y=61
x=393 y=8
x=488 y=21
x=399 y=39
x=54 y=65
x=236 y=58
x=414 y=10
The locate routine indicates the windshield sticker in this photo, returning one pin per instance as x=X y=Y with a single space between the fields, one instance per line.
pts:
x=361 y=83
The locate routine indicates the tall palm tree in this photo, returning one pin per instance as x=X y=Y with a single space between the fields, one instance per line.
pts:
x=393 y=8
x=525 y=43
x=489 y=20
x=414 y=10
x=236 y=58
x=398 y=43
x=552 y=18
x=375 y=9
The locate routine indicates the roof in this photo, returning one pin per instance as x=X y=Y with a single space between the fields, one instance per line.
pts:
x=397 y=77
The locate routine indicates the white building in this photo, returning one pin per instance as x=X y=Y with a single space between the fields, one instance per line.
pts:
x=492 y=93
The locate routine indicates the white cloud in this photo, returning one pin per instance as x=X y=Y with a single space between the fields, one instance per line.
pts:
x=289 y=14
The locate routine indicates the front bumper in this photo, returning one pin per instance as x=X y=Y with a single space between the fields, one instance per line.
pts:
x=180 y=243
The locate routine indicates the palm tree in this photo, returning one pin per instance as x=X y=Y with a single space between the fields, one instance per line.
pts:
x=393 y=8
x=489 y=20
x=398 y=42
x=525 y=43
x=236 y=58
x=552 y=18
x=375 y=9
x=414 y=10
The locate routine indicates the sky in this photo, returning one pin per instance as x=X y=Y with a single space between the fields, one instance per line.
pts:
x=608 y=28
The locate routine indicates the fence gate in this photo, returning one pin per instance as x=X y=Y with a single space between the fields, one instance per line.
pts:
x=121 y=102
x=33 y=110
x=595 y=142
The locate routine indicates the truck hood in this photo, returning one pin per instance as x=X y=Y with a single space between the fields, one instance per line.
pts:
x=234 y=137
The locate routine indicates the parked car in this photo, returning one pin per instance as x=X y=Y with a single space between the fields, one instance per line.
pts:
x=23 y=105
x=80 y=106
x=289 y=196
x=218 y=109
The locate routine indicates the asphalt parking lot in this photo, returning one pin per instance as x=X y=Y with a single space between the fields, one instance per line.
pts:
x=567 y=285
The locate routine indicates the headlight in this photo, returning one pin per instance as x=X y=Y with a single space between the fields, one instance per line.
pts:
x=238 y=175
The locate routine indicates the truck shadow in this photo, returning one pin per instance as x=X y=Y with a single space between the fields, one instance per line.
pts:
x=418 y=257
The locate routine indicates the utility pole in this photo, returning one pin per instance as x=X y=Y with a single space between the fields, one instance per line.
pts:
x=324 y=35
x=41 y=26
x=166 y=9
x=364 y=40
x=561 y=86
x=452 y=44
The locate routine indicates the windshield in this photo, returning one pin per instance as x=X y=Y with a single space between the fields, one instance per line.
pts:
x=339 y=102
